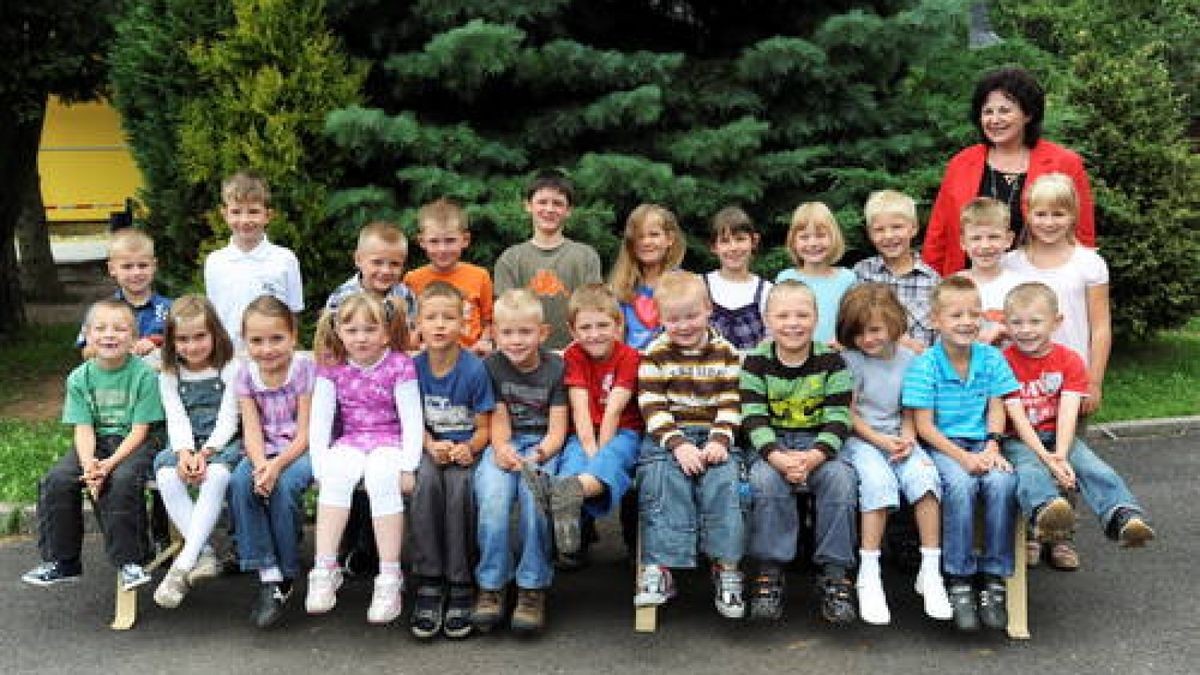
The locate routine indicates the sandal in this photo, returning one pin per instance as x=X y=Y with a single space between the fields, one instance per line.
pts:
x=1063 y=557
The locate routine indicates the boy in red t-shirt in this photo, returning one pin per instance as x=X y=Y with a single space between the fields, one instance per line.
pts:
x=1043 y=414
x=599 y=457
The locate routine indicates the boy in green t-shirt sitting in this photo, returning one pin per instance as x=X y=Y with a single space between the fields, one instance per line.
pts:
x=112 y=399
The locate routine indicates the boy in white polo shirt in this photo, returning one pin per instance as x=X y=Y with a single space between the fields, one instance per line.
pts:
x=250 y=265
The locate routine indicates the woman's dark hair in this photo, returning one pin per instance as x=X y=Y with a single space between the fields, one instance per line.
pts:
x=1021 y=86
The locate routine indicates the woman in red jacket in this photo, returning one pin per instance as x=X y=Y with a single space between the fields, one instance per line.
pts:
x=1007 y=108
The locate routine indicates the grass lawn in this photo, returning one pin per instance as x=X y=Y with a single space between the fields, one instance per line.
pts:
x=1157 y=378
x=40 y=355
x=27 y=449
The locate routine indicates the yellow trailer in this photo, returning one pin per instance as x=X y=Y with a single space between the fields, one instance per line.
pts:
x=84 y=161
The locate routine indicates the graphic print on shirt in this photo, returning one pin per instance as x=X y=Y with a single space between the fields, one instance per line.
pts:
x=1041 y=396
x=443 y=417
x=547 y=283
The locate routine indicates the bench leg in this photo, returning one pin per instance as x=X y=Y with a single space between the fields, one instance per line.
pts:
x=645 y=619
x=125 y=613
x=1018 y=587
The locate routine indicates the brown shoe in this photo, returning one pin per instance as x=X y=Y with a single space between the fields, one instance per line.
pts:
x=1054 y=522
x=1033 y=552
x=1063 y=557
x=530 y=612
x=488 y=610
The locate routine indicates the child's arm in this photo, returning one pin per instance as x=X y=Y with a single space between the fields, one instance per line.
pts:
x=438 y=451
x=179 y=425
x=556 y=433
x=996 y=417
x=252 y=433
x=973 y=463
x=101 y=469
x=320 y=427
x=1099 y=345
x=226 y=426
x=582 y=418
x=506 y=456
x=292 y=452
x=1058 y=467
x=85 y=448
x=618 y=398
x=464 y=454
x=889 y=444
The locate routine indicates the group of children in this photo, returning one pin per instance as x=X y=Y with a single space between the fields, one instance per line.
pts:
x=723 y=401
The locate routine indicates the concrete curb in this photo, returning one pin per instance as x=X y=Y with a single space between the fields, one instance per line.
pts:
x=22 y=518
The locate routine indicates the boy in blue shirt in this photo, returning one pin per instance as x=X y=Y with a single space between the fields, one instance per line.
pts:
x=131 y=264
x=456 y=393
x=955 y=389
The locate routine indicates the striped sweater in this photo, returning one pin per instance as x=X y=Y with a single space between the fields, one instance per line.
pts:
x=680 y=388
x=812 y=397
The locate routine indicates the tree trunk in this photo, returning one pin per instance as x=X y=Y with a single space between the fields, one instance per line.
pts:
x=39 y=276
x=19 y=138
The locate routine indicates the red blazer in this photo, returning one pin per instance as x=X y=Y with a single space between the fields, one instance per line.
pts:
x=942 y=249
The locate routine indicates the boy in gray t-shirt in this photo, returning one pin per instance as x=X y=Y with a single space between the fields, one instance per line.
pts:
x=549 y=264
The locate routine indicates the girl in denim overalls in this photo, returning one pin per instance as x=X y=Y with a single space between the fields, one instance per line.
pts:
x=738 y=295
x=202 y=422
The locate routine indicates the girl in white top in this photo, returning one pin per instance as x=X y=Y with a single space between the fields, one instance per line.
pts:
x=739 y=296
x=202 y=419
x=1077 y=274
x=369 y=384
x=816 y=244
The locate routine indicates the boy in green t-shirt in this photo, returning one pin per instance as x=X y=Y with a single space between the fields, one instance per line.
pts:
x=112 y=399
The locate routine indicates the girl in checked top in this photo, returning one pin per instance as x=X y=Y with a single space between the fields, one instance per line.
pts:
x=367 y=381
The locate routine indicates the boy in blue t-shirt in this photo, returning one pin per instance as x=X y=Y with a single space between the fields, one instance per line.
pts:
x=131 y=264
x=955 y=389
x=457 y=396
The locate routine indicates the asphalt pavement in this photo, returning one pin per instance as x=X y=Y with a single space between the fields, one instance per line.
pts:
x=1123 y=612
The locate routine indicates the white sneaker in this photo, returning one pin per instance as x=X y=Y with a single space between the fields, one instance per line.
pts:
x=171 y=590
x=933 y=590
x=207 y=567
x=872 y=603
x=728 y=598
x=387 y=600
x=323 y=585
x=656 y=587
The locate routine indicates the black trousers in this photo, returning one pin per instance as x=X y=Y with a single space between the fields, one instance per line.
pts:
x=121 y=505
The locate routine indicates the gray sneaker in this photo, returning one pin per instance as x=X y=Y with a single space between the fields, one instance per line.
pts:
x=133 y=575
x=207 y=567
x=172 y=589
x=566 y=503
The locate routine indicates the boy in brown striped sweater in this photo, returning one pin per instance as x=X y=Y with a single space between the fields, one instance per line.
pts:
x=688 y=470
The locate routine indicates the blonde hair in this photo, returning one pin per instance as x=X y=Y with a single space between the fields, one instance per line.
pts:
x=984 y=211
x=442 y=212
x=441 y=289
x=113 y=304
x=516 y=304
x=384 y=232
x=865 y=302
x=890 y=203
x=816 y=215
x=957 y=283
x=1056 y=190
x=789 y=287
x=189 y=307
x=594 y=297
x=1028 y=293
x=627 y=271
x=729 y=221
x=677 y=284
x=327 y=344
x=129 y=241
x=246 y=186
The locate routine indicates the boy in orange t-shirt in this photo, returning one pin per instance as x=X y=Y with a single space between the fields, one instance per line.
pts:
x=443 y=235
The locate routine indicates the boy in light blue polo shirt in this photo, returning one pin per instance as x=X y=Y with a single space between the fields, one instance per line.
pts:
x=955 y=390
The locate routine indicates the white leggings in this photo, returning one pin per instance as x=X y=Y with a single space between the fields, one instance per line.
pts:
x=194 y=521
x=379 y=470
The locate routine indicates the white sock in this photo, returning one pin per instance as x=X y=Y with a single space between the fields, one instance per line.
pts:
x=931 y=561
x=868 y=566
x=204 y=515
x=270 y=575
x=175 y=497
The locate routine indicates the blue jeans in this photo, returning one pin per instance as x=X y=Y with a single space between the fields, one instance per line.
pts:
x=1102 y=488
x=681 y=514
x=775 y=523
x=268 y=530
x=960 y=490
x=881 y=481
x=496 y=491
x=612 y=465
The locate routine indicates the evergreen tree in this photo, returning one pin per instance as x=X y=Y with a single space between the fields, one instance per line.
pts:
x=691 y=104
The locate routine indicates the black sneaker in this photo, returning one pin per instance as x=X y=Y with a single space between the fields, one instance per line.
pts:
x=272 y=600
x=426 y=619
x=993 y=607
x=51 y=573
x=962 y=599
x=837 y=602
x=1129 y=528
x=766 y=596
x=457 y=623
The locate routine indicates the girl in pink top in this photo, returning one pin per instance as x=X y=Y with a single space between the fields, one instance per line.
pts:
x=370 y=385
